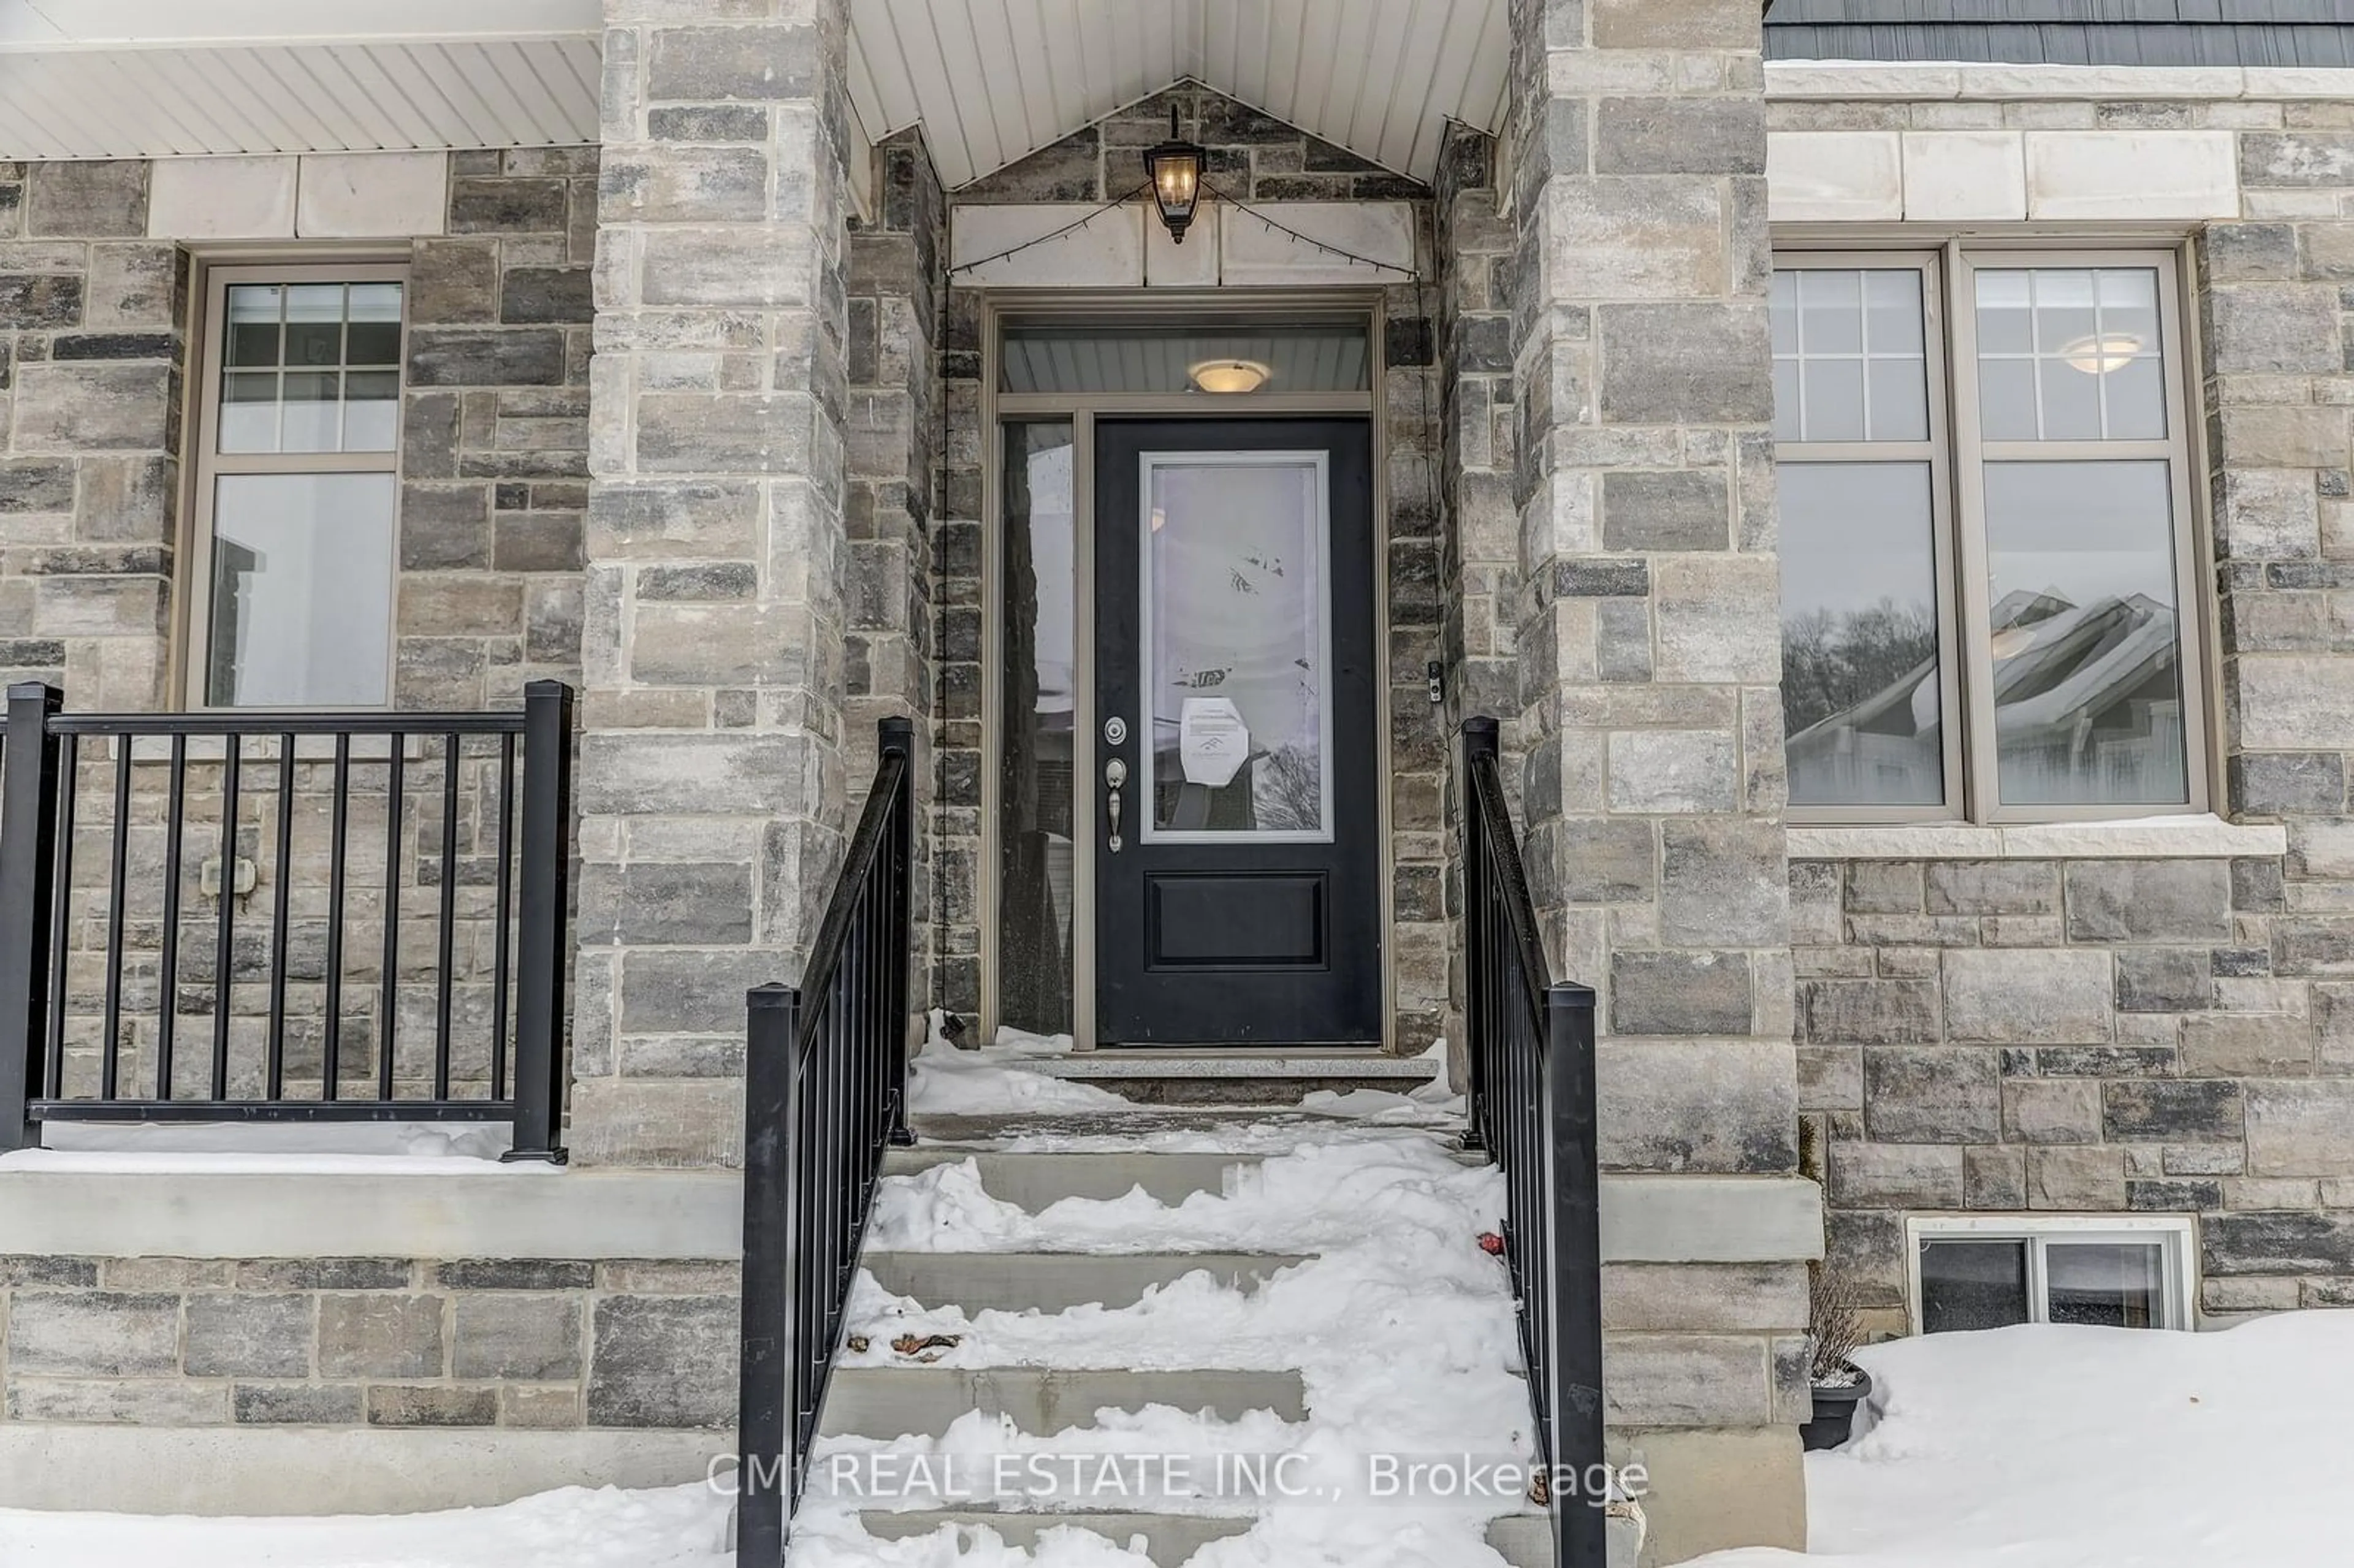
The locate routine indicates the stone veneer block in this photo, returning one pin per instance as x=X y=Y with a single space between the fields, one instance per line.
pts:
x=1109 y=253
x=1191 y=265
x=1252 y=253
x=1850 y=177
x=1961 y=175
x=2132 y=174
x=221 y=198
x=366 y=196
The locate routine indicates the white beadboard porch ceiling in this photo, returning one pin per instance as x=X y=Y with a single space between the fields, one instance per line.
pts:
x=99 y=78
x=992 y=81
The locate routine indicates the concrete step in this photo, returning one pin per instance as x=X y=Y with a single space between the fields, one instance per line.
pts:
x=1523 y=1539
x=1169 y=1538
x=1035 y=1182
x=1526 y=1539
x=1255 y=1075
x=1055 y=1281
x=895 y=1401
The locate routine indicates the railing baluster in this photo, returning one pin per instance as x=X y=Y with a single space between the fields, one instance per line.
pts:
x=60 y=908
x=501 y=947
x=274 y=1066
x=224 y=922
x=338 y=839
x=389 y=982
x=110 y=1061
x=446 y=950
x=176 y=809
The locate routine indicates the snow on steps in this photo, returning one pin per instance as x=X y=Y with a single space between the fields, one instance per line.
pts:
x=1082 y=1264
x=893 y=1401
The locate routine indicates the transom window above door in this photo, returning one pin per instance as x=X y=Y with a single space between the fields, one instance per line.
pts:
x=1988 y=542
x=1264 y=357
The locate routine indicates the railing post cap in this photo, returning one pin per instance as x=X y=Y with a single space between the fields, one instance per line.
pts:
x=897 y=727
x=775 y=993
x=1569 y=993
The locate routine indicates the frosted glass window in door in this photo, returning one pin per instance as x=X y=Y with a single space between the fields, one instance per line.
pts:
x=1236 y=643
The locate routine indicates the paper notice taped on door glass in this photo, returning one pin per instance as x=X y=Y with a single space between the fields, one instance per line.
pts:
x=1212 y=742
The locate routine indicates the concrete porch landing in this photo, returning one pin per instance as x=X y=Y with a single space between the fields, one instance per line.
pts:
x=1259 y=1076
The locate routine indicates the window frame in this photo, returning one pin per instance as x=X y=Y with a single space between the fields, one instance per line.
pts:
x=1936 y=452
x=1958 y=456
x=2176 y=1235
x=206 y=464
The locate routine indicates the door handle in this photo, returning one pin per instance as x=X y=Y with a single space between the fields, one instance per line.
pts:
x=1115 y=776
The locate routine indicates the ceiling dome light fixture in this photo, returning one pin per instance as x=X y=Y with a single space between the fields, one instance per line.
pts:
x=1229 y=375
x=1174 y=167
x=2103 y=353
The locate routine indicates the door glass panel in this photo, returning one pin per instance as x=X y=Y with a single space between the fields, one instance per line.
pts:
x=1237 y=646
x=1308 y=355
x=1972 y=1285
x=2116 y=1285
x=1860 y=687
x=1035 y=779
x=2087 y=637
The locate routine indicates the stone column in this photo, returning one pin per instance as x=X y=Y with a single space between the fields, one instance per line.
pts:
x=895 y=274
x=712 y=763
x=1650 y=667
x=1479 y=559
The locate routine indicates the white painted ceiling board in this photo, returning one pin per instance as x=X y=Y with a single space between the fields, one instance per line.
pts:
x=995 y=80
x=51 y=23
x=992 y=81
x=363 y=97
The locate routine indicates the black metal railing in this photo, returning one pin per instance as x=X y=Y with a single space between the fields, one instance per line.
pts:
x=1530 y=1052
x=194 y=927
x=824 y=1093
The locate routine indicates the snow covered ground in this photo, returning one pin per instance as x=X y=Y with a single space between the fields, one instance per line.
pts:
x=2049 y=1447
x=2032 y=1448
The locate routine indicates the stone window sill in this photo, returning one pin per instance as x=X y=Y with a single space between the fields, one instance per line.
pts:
x=2200 y=836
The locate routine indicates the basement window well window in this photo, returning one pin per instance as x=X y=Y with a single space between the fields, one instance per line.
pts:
x=297 y=440
x=2116 y=1271
x=1988 y=542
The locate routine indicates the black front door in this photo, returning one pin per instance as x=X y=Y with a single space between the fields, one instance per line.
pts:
x=1237 y=862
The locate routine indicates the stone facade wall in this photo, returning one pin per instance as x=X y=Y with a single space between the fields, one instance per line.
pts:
x=92 y=360
x=494 y=432
x=1649 y=707
x=1257 y=158
x=375 y=1341
x=2168 y=1035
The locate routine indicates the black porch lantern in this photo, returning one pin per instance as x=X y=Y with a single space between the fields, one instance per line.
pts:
x=1174 y=168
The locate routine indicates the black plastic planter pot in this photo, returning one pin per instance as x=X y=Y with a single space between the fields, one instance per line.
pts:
x=1834 y=1413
